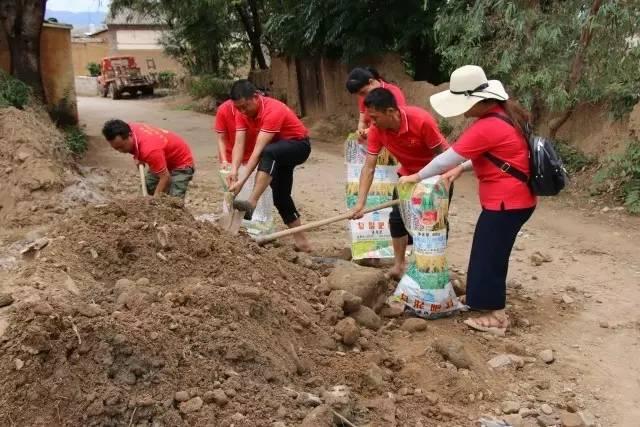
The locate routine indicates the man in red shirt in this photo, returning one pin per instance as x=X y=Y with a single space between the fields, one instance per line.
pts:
x=413 y=137
x=167 y=156
x=282 y=143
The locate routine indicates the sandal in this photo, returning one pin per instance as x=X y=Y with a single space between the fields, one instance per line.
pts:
x=244 y=206
x=489 y=323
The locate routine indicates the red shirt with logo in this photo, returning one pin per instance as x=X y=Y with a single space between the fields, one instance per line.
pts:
x=498 y=190
x=273 y=117
x=397 y=94
x=160 y=149
x=413 y=144
x=225 y=124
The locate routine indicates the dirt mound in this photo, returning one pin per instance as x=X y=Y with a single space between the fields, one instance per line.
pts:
x=31 y=164
x=146 y=316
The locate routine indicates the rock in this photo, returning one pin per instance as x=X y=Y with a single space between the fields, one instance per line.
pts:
x=90 y=310
x=348 y=331
x=547 y=421
x=367 y=283
x=567 y=299
x=393 y=310
x=344 y=300
x=278 y=424
x=374 y=376
x=42 y=308
x=181 y=396
x=6 y=299
x=453 y=351
x=123 y=284
x=191 y=405
x=338 y=397
x=514 y=420
x=368 y=318
x=208 y=397
x=220 y=397
x=504 y=360
x=309 y=399
x=510 y=407
x=587 y=419
x=322 y=416
x=432 y=398
x=571 y=420
x=237 y=417
x=35 y=246
x=414 y=324
x=547 y=356
x=537 y=258
x=143 y=281
x=603 y=324
x=546 y=409
x=19 y=364
x=145 y=401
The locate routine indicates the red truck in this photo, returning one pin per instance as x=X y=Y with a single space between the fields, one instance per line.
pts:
x=120 y=74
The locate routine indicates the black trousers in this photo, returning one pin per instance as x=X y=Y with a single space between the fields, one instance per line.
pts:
x=279 y=159
x=493 y=240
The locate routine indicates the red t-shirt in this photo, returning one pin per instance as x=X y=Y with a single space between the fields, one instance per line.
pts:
x=413 y=144
x=498 y=190
x=397 y=94
x=273 y=117
x=225 y=124
x=160 y=149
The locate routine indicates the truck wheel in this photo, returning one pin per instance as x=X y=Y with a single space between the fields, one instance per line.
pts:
x=114 y=92
x=104 y=91
x=147 y=91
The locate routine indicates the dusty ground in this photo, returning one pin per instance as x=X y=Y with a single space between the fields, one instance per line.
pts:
x=583 y=304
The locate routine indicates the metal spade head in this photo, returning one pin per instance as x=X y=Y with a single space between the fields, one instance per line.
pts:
x=231 y=219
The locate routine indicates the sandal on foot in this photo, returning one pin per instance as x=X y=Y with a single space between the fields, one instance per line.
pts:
x=244 y=206
x=490 y=323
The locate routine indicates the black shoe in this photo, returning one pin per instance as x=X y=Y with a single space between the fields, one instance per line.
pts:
x=244 y=206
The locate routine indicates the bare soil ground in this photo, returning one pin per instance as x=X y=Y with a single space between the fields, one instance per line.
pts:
x=226 y=333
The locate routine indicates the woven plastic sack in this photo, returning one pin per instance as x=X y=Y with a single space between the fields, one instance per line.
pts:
x=370 y=236
x=261 y=222
x=426 y=287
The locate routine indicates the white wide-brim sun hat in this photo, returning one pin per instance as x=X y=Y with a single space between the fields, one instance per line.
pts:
x=467 y=87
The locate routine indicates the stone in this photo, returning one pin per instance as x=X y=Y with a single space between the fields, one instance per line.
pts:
x=604 y=324
x=414 y=324
x=220 y=397
x=344 y=300
x=278 y=424
x=19 y=364
x=237 y=417
x=309 y=399
x=566 y=299
x=181 y=396
x=547 y=421
x=143 y=281
x=453 y=351
x=321 y=416
x=42 y=308
x=6 y=299
x=546 y=409
x=368 y=318
x=191 y=405
x=432 y=398
x=338 y=396
x=510 y=407
x=365 y=282
x=393 y=310
x=587 y=419
x=90 y=310
x=547 y=356
x=538 y=258
x=514 y=420
x=504 y=360
x=374 y=376
x=348 y=331
x=208 y=397
x=571 y=420
x=123 y=284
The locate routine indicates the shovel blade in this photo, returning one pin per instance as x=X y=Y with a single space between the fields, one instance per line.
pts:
x=231 y=219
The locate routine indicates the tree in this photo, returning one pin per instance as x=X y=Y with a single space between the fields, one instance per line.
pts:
x=249 y=12
x=551 y=54
x=21 y=22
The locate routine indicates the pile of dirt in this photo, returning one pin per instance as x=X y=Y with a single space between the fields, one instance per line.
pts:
x=32 y=164
x=144 y=316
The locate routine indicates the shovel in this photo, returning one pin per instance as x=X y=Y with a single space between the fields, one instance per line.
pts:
x=315 y=224
x=231 y=220
x=142 y=180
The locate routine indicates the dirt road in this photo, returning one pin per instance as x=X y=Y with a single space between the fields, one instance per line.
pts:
x=584 y=304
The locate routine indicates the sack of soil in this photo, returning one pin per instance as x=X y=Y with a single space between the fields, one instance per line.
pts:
x=426 y=288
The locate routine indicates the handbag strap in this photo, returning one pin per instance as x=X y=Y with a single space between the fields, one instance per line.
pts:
x=501 y=164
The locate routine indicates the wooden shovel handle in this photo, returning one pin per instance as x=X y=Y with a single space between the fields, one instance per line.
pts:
x=143 y=183
x=320 y=223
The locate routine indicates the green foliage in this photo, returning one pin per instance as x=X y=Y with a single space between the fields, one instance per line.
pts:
x=574 y=160
x=167 y=79
x=75 y=140
x=531 y=46
x=13 y=92
x=94 y=69
x=623 y=174
x=445 y=127
x=208 y=85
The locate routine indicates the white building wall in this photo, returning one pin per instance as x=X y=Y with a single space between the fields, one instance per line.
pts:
x=138 y=39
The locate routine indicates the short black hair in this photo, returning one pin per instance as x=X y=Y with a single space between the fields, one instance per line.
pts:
x=114 y=128
x=359 y=77
x=242 y=89
x=380 y=99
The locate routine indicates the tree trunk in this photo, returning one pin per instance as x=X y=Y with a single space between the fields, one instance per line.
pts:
x=21 y=21
x=253 y=28
x=576 y=67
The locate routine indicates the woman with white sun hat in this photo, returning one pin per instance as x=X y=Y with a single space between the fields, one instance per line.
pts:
x=495 y=147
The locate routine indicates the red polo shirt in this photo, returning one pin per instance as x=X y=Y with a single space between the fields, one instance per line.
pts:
x=225 y=124
x=498 y=190
x=160 y=149
x=397 y=94
x=413 y=144
x=273 y=117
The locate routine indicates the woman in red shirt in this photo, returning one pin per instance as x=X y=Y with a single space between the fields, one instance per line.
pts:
x=495 y=147
x=360 y=82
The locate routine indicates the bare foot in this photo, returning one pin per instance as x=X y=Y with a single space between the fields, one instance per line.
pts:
x=396 y=272
x=301 y=243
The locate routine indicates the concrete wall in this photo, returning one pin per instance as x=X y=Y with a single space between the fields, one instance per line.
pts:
x=134 y=39
x=86 y=86
x=87 y=51
x=56 y=65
